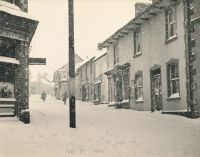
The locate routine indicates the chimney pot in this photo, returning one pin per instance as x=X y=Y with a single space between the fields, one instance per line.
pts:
x=140 y=7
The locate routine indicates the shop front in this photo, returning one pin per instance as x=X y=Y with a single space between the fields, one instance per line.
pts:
x=16 y=31
x=119 y=86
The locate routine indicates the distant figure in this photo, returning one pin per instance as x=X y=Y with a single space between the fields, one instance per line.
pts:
x=43 y=96
x=64 y=98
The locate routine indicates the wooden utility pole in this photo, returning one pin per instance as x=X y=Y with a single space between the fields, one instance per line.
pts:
x=72 y=108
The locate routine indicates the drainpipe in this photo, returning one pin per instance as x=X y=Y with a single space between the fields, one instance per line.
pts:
x=189 y=58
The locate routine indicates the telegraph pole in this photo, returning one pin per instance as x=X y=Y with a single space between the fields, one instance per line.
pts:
x=72 y=108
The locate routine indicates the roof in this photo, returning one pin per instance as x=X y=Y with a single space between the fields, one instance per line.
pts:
x=136 y=22
x=100 y=54
x=64 y=67
x=85 y=61
x=14 y=10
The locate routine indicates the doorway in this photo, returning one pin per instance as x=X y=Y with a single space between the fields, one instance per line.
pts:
x=156 y=90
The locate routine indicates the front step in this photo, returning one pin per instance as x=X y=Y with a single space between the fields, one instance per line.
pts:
x=7 y=107
x=7 y=114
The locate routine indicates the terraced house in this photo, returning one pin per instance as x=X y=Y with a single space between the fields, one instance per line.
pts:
x=61 y=79
x=100 y=80
x=85 y=80
x=151 y=59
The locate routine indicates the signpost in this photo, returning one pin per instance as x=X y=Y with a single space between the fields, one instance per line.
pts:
x=72 y=108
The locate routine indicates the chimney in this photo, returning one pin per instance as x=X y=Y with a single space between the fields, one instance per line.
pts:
x=140 y=7
x=22 y=4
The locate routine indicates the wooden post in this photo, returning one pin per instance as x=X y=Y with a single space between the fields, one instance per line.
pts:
x=72 y=109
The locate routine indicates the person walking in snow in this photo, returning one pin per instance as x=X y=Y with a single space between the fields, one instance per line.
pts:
x=64 y=97
x=43 y=96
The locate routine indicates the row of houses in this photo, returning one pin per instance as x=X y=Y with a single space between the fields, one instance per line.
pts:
x=151 y=63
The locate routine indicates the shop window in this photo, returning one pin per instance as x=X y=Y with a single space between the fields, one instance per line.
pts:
x=6 y=90
x=173 y=80
x=139 y=86
x=137 y=43
x=171 y=23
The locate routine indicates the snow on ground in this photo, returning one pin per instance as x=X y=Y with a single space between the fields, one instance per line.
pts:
x=101 y=132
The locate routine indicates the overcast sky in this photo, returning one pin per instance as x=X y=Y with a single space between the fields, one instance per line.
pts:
x=95 y=20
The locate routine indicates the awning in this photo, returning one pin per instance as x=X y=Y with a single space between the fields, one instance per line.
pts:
x=97 y=82
x=117 y=69
x=9 y=60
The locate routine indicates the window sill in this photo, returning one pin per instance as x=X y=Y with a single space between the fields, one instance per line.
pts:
x=139 y=101
x=174 y=98
x=137 y=54
x=170 y=39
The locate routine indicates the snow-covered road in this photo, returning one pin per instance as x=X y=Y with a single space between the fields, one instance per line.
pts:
x=101 y=132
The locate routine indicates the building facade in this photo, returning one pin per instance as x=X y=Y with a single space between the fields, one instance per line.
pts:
x=118 y=73
x=16 y=31
x=100 y=80
x=85 y=80
x=149 y=58
x=60 y=78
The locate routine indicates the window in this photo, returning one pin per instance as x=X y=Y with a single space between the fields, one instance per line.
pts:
x=171 y=23
x=138 y=87
x=116 y=54
x=137 y=43
x=100 y=69
x=173 y=80
x=91 y=70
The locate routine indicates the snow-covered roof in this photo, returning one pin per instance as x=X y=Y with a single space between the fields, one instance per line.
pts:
x=149 y=12
x=14 y=10
x=100 y=54
x=9 y=60
x=85 y=61
x=63 y=80
x=47 y=82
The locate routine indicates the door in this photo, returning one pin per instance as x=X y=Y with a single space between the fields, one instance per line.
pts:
x=119 y=92
x=83 y=93
x=156 y=91
x=99 y=92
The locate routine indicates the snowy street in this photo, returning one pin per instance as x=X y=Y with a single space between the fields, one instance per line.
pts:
x=101 y=131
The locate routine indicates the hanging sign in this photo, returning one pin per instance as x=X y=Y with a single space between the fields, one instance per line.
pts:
x=37 y=61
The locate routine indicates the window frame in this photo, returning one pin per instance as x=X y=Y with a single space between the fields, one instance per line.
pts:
x=137 y=42
x=139 y=88
x=116 y=54
x=171 y=24
x=170 y=79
